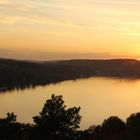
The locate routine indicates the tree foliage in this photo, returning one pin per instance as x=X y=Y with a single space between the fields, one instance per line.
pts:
x=112 y=126
x=57 y=122
x=133 y=124
x=11 y=117
x=56 y=119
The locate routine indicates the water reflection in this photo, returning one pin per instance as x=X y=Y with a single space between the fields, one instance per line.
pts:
x=99 y=98
x=20 y=87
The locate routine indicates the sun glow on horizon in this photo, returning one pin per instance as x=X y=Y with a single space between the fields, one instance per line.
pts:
x=106 y=27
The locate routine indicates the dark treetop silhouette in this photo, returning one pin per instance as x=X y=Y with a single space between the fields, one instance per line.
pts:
x=55 y=119
x=56 y=122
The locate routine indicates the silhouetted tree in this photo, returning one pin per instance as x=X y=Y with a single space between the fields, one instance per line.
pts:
x=12 y=130
x=113 y=126
x=93 y=133
x=133 y=125
x=56 y=120
x=11 y=117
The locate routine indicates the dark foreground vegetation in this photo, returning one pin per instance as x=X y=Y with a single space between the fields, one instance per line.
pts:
x=56 y=122
x=25 y=74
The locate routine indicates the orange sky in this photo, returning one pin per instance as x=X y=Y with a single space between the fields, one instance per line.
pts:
x=61 y=29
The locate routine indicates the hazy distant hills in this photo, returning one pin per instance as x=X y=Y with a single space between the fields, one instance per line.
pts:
x=22 y=74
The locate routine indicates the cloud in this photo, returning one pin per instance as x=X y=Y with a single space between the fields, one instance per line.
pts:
x=5 y=2
x=122 y=2
x=15 y=7
x=87 y=6
x=8 y=19
x=4 y=50
x=39 y=55
x=131 y=34
x=46 y=20
x=42 y=20
x=136 y=45
x=35 y=14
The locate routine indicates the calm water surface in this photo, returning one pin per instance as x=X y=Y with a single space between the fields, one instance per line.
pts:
x=98 y=98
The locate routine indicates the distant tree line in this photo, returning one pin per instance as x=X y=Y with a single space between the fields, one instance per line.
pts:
x=26 y=74
x=57 y=122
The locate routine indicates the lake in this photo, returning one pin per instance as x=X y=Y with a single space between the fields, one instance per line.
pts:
x=98 y=97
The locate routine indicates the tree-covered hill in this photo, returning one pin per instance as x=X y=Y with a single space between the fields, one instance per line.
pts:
x=22 y=74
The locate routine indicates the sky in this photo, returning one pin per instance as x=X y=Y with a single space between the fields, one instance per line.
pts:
x=69 y=29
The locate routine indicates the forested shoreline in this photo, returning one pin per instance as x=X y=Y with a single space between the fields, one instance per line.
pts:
x=15 y=74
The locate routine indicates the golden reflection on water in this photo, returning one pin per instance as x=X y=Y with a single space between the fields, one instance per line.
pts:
x=98 y=98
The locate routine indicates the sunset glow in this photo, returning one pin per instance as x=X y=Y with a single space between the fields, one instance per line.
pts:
x=61 y=29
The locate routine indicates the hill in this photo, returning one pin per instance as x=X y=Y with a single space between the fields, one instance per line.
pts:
x=24 y=74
